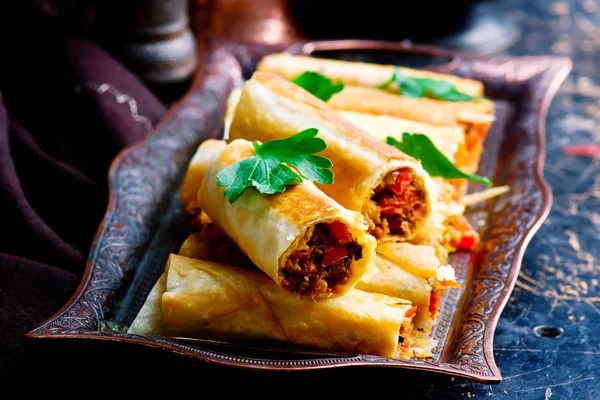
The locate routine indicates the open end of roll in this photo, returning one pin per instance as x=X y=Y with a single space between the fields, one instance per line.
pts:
x=322 y=260
x=396 y=205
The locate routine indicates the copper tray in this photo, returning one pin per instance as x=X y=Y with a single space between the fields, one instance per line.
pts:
x=145 y=222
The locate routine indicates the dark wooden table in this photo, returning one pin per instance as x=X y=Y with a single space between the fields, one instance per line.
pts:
x=559 y=281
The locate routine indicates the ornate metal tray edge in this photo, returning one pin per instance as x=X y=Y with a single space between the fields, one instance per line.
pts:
x=82 y=316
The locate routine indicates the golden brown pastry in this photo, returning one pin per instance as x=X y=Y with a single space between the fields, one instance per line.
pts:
x=388 y=187
x=218 y=301
x=302 y=239
x=357 y=73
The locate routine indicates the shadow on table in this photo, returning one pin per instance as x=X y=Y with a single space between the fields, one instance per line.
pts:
x=112 y=368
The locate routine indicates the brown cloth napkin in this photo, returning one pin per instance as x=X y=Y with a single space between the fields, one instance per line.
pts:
x=66 y=109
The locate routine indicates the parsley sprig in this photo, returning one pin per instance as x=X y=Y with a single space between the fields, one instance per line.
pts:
x=318 y=85
x=425 y=87
x=433 y=161
x=268 y=170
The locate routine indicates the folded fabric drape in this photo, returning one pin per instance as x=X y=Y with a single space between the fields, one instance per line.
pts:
x=67 y=107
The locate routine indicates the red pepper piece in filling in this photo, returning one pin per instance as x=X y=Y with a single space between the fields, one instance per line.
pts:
x=392 y=205
x=333 y=254
x=339 y=233
x=411 y=312
x=389 y=206
x=467 y=243
x=403 y=181
x=397 y=200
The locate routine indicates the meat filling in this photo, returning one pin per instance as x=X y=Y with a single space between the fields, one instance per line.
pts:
x=322 y=260
x=396 y=205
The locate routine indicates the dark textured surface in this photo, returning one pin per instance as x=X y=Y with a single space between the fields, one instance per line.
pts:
x=559 y=281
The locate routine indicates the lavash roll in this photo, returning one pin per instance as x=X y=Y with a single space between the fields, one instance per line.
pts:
x=271 y=107
x=357 y=73
x=218 y=301
x=271 y=229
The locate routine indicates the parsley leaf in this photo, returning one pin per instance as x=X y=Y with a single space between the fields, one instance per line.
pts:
x=434 y=162
x=267 y=172
x=318 y=85
x=425 y=87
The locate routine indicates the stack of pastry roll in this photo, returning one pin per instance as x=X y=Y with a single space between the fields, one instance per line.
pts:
x=457 y=128
x=404 y=271
x=364 y=102
x=389 y=188
x=204 y=299
x=445 y=227
x=291 y=292
x=256 y=269
x=270 y=107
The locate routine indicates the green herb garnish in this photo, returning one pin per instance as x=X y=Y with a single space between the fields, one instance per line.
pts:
x=434 y=162
x=267 y=170
x=425 y=87
x=318 y=85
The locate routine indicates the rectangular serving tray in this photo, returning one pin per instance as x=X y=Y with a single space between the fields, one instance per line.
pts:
x=145 y=222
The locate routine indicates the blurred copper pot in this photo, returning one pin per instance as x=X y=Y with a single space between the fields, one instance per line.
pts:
x=257 y=21
x=152 y=37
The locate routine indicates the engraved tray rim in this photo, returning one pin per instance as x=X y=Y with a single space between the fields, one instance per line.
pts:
x=83 y=314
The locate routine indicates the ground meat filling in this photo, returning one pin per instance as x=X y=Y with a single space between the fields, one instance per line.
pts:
x=322 y=260
x=396 y=205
